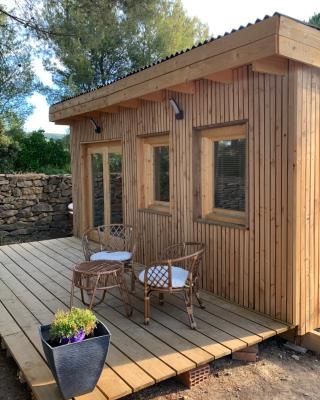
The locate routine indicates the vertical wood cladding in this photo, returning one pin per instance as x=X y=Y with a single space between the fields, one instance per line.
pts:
x=250 y=266
x=307 y=187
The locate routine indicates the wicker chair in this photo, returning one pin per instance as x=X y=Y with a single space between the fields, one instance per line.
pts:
x=177 y=272
x=115 y=242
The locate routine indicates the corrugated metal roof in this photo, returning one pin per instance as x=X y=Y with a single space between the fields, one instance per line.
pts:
x=169 y=57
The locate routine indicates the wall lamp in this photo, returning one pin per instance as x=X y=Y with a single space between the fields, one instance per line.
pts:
x=176 y=108
x=97 y=128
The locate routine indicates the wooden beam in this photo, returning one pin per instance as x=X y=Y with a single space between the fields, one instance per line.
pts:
x=299 y=41
x=68 y=121
x=274 y=65
x=92 y=114
x=187 y=88
x=232 y=59
x=111 y=109
x=311 y=341
x=155 y=96
x=225 y=76
x=239 y=48
x=133 y=103
x=299 y=51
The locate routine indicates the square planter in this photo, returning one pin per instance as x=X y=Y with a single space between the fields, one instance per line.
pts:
x=77 y=366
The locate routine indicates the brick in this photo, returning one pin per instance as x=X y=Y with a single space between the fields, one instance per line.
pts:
x=195 y=376
x=245 y=356
x=251 y=349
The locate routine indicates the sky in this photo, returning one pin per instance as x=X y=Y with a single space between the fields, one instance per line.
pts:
x=222 y=16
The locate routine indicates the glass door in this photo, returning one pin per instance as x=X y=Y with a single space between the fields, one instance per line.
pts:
x=104 y=184
x=115 y=186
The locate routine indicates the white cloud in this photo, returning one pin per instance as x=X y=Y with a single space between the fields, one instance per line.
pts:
x=39 y=119
x=44 y=75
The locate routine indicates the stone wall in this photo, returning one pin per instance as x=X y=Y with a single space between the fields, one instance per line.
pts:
x=35 y=205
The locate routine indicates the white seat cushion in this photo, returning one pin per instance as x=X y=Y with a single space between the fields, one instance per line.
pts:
x=179 y=276
x=111 y=256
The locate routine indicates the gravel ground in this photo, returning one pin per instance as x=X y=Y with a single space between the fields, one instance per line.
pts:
x=279 y=374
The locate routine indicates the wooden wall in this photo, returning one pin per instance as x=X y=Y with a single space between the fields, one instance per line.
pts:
x=252 y=267
x=307 y=201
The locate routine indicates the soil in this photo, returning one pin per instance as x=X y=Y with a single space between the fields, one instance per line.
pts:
x=278 y=374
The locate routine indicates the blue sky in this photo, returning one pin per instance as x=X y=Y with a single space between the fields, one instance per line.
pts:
x=221 y=17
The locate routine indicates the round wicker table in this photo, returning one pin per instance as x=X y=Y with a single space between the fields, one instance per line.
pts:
x=93 y=276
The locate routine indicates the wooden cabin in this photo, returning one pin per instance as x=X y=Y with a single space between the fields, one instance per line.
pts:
x=220 y=144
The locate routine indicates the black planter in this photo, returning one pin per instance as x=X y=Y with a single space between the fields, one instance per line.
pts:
x=77 y=366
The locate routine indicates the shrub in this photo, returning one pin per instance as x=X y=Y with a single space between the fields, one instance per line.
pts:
x=9 y=151
x=37 y=154
x=67 y=324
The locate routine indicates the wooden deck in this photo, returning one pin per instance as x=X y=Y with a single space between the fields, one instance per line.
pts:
x=35 y=281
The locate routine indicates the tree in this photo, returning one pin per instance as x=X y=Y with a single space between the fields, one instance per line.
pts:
x=315 y=19
x=37 y=154
x=105 y=39
x=162 y=31
x=17 y=79
x=8 y=151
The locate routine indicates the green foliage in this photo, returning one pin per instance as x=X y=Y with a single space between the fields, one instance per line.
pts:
x=67 y=324
x=37 y=154
x=66 y=142
x=22 y=152
x=17 y=79
x=315 y=19
x=9 y=150
x=105 y=39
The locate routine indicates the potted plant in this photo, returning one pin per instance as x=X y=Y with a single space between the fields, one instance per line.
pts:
x=75 y=345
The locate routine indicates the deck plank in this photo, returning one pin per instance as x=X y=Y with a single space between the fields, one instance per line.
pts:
x=36 y=372
x=161 y=371
x=30 y=323
x=277 y=326
x=183 y=346
x=194 y=352
x=232 y=343
x=229 y=333
x=35 y=280
x=216 y=335
x=34 y=368
x=8 y=325
x=249 y=331
x=135 y=376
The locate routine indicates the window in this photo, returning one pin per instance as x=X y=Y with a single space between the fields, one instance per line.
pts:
x=153 y=174
x=161 y=173
x=224 y=173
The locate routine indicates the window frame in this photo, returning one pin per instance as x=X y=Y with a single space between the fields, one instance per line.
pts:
x=104 y=147
x=208 y=136
x=146 y=145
